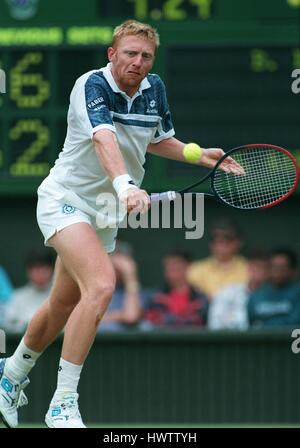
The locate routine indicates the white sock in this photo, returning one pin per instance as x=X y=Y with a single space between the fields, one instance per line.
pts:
x=21 y=362
x=67 y=378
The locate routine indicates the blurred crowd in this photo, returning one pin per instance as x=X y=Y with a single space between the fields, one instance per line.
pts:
x=225 y=291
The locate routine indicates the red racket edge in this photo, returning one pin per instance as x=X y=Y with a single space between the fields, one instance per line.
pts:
x=295 y=183
x=293 y=159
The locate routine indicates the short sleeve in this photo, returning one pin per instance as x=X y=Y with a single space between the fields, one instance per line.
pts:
x=165 y=127
x=97 y=103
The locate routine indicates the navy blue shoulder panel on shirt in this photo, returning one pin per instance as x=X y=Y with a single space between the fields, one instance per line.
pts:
x=101 y=100
x=98 y=99
x=159 y=91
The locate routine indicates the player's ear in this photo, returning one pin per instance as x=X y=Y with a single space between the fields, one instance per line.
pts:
x=110 y=53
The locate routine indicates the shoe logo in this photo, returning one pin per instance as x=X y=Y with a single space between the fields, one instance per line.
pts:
x=26 y=356
x=7 y=385
x=55 y=412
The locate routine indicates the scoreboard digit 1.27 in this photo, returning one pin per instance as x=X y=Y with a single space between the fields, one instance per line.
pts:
x=228 y=71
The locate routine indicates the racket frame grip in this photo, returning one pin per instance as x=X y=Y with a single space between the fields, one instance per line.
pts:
x=164 y=196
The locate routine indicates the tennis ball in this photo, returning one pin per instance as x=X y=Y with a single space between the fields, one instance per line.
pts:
x=192 y=152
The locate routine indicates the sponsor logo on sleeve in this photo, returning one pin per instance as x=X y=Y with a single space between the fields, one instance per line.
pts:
x=95 y=103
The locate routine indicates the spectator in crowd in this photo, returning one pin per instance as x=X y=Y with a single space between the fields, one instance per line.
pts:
x=177 y=303
x=278 y=302
x=228 y=309
x=6 y=290
x=225 y=265
x=27 y=299
x=124 y=310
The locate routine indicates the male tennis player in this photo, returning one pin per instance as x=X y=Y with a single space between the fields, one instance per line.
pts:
x=116 y=115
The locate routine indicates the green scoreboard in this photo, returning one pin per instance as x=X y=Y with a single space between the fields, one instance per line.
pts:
x=229 y=67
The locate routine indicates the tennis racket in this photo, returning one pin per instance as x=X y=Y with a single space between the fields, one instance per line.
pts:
x=270 y=175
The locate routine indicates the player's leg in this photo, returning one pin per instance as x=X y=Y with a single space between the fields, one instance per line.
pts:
x=88 y=263
x=46 y=324
x=52 y=316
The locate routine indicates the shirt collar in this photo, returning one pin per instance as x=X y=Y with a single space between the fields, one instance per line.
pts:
x=145 y=84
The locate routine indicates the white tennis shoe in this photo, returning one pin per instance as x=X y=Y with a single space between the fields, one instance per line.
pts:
x=11 y=397
x=64 y=413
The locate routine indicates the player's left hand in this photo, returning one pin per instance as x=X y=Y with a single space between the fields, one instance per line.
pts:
x=210 y=157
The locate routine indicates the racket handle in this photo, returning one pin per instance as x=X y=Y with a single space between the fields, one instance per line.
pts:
x=165 y=196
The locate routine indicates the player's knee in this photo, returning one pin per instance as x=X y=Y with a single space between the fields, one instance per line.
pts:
x=100 y=300
x=101 y=294
x=64 y=306
x=68 y=307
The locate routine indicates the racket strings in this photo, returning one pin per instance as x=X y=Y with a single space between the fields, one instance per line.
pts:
x=270 y=175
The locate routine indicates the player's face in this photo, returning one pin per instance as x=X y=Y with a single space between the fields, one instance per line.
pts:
x=132 y=58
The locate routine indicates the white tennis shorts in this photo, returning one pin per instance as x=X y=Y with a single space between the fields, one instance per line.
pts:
x=53 y=215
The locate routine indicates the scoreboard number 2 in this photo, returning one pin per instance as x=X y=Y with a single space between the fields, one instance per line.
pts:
x=25 y=164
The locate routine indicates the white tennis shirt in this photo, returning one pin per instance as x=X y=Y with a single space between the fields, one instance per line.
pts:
x=96 y=102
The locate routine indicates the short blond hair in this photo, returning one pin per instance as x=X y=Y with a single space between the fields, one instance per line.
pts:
x=135 y=28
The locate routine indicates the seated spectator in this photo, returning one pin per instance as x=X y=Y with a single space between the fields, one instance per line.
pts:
x=27 y=299
x=228 y=309
x=125 y=307
x=278 y=302
x=6 y=290
x=225 y=265
x=177 y=303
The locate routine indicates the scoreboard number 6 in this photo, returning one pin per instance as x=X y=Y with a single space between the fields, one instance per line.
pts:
x=27 y=89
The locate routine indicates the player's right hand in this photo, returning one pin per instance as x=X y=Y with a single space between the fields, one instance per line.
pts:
x=135 y=200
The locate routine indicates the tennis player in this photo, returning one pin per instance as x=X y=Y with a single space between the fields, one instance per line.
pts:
x=116 y=114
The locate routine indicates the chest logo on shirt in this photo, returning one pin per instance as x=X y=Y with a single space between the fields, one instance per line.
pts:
x=95 y=102
x=68 y=209
x=152 y=109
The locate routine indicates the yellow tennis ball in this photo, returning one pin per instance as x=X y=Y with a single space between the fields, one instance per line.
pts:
x=192 y=152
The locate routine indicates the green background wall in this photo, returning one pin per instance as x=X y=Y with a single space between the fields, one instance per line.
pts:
x=187 y=377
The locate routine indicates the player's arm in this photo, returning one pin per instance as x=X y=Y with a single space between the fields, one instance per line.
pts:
x=109 y=154
x=171 y=148
x=111 y=159
x=92 y=104
x=164 y=143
